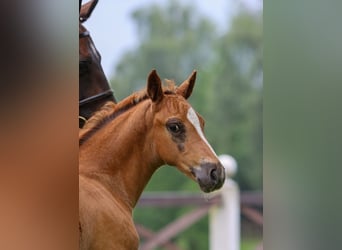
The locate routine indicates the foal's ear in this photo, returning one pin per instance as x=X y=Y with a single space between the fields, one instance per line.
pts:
x=154 y=87
x=185 y=89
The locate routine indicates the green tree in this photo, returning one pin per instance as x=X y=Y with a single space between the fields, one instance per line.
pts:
x=173 y=39
x=235 y=98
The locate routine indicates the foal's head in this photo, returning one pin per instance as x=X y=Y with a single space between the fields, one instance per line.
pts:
x=178 y=134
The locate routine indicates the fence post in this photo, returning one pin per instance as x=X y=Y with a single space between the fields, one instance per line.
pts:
x=224 y=220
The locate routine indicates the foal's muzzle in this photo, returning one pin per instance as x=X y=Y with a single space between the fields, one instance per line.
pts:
x=210 y=176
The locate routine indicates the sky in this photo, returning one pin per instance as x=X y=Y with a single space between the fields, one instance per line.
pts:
x=113 y=30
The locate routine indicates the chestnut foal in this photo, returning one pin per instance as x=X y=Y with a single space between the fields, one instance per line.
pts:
x=122 y=145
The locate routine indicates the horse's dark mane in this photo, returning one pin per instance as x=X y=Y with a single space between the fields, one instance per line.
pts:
x=110 y=111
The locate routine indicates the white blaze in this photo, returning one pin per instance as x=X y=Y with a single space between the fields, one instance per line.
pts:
x=193 y=118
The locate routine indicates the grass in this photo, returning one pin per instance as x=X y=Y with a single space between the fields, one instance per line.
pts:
x=250 y=243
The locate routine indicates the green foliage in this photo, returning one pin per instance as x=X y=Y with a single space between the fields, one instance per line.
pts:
x=176 y=39
x=173 y=39
x=250 y=243
x=236 y=101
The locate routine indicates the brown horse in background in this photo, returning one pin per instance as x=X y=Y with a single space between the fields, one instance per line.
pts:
x=94 y=89
x=122 y=145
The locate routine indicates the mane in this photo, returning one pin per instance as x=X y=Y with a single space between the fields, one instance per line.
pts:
x=110 y=110
x=104 y=111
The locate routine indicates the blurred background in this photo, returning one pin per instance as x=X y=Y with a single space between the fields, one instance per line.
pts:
x=222 y=40
x=301 y=109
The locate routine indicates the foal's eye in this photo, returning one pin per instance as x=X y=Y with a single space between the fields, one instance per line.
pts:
x=175 y=127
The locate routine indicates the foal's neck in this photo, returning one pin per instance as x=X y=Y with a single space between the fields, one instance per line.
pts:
x=122 y=155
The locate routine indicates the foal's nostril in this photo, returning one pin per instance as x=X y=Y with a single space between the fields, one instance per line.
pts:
x=213 y=174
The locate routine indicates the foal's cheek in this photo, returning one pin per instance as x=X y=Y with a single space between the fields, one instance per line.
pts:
x=181 y=147
x=166 y=149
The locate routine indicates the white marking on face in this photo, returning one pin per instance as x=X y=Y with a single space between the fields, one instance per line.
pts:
x=193 y=118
